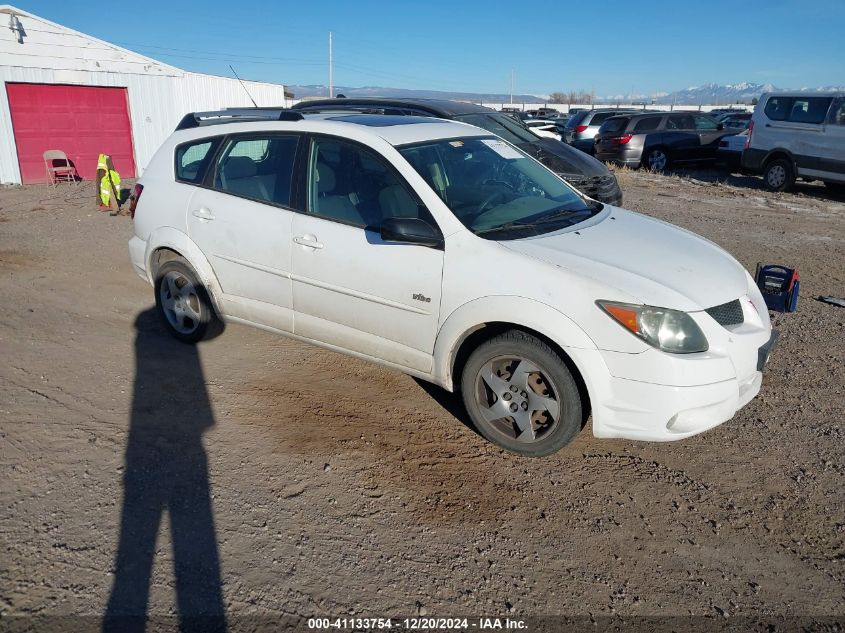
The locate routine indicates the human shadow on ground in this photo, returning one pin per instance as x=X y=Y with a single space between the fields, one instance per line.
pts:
x=166 y=471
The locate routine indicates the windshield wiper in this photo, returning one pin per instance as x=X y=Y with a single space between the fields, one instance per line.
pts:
x=557 y=215
x=508 y=225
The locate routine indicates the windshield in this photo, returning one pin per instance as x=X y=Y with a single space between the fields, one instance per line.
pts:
x=501 y=125
x=496 y=190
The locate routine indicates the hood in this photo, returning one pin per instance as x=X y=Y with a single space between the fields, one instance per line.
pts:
x=562 y=158
x=658 y=263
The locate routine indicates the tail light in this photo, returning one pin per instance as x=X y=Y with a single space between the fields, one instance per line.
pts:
x=580 y=128
x=723 y=143
x=748 y=138
x=622 y=140
x=133 y=199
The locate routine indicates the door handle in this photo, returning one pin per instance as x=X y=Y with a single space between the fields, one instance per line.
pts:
x=307 y=240
x=203 y=214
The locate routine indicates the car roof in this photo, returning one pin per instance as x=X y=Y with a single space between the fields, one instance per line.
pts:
x=804 y=93
x=395 y=129
x=437 y=107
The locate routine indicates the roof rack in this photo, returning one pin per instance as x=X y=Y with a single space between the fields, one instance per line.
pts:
x=232 y=115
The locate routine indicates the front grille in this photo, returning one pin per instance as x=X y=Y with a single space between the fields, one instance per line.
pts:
x=729 y=313
x=601 y=188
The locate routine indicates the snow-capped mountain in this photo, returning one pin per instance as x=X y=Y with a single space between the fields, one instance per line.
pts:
x=709 y=94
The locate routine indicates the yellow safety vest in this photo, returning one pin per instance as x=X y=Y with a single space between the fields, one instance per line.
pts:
x=105 y=184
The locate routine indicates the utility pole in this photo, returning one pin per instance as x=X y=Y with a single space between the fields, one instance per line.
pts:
x=331 y=88
x=511 y=86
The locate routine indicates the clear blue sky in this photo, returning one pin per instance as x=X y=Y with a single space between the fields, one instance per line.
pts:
x=472 y=45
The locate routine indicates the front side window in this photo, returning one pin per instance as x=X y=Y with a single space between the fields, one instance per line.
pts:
x=837 y=112
x=680 y=122
x=704 y=122
x=192 y=159
x=260 y=168
x=496 y=190
x=353 y=185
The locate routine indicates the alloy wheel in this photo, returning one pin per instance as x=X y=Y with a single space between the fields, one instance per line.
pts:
x=517 y=398
x=180 y=302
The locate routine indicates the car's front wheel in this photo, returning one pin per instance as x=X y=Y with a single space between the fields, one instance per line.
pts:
x=182 y=303
x=521 y=395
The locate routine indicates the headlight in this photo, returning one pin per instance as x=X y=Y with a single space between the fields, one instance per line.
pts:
x=668 y=330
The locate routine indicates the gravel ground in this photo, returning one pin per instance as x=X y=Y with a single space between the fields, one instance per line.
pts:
x=267 y=478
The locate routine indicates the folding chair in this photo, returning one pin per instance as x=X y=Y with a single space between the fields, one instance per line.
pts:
x=59 y=168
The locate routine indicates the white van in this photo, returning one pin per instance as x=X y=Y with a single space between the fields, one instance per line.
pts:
x=797 y=135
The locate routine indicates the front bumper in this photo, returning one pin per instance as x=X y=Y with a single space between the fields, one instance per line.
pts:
x=603 y=188
x=628 y=401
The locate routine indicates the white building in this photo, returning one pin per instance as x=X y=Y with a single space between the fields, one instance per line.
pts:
x=65 y=90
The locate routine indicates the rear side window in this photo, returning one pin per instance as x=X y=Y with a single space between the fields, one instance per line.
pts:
x=615 y=124
x=192 y=159
x=809 y=109
x=647 y=124
x=258 y=168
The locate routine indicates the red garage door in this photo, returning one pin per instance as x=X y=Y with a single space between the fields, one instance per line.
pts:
x=82 y=121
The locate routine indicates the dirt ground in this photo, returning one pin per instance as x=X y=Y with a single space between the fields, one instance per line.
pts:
x=264 y=477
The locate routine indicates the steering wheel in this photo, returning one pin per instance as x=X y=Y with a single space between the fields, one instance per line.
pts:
x=503 y=183
x=486 y=203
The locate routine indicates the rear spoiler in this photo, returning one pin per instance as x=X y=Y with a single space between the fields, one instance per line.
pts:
x=233 y=115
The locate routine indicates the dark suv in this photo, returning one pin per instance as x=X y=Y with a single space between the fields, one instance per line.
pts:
x=657 y=140
x=583 y=172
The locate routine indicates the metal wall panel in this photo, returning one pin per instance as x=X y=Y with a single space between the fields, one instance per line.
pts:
x=159 y=94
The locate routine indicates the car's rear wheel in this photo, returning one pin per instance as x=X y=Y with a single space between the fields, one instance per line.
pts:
x=779 y=175
x=656 y=159
x=521 y=395
x=182 y=303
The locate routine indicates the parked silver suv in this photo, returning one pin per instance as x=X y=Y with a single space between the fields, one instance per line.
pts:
x=582 y=127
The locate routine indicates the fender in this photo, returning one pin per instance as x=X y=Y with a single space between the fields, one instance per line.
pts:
x=176 y=240
x=529 y=313
x=781 y=150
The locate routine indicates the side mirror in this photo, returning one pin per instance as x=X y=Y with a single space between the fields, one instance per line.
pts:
x=720 y=126
x=411 y=231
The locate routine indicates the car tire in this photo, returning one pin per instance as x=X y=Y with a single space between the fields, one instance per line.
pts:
x=779 y=175
x=182 y=303
x=656 y=159
x=525 y=380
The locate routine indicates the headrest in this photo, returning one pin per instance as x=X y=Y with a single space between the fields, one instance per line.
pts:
x=239 y=167
x=325 y=178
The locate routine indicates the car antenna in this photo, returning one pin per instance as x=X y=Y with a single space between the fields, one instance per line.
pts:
x=243 y=86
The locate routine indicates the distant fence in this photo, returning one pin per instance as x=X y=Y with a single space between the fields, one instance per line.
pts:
x=565 y=108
